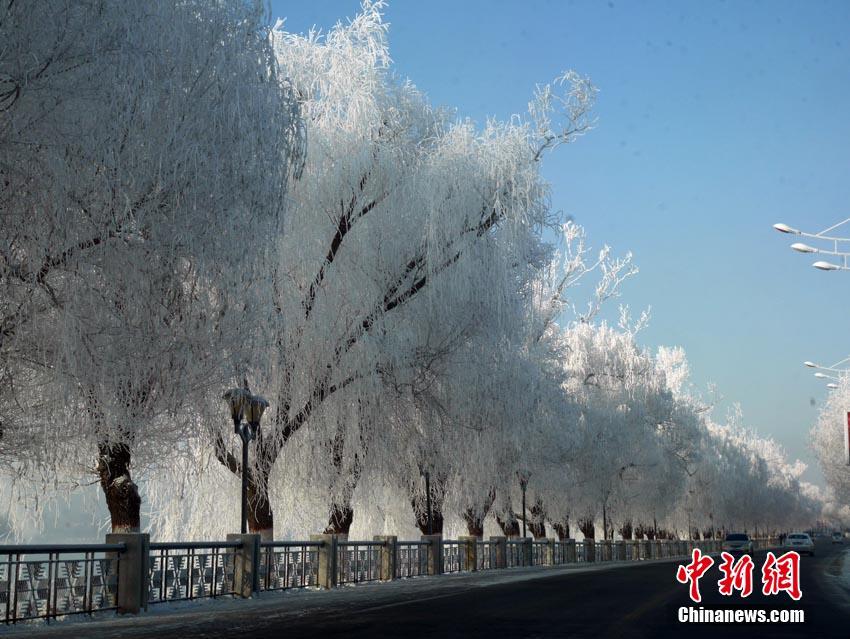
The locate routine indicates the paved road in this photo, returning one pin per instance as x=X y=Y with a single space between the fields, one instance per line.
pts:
x=640 y=601
x=635 y=600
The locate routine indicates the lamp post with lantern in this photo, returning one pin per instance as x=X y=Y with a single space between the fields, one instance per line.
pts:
x=250 y=408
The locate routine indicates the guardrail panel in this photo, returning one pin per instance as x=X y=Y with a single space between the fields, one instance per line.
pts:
x=47 y=582
x=190 y=571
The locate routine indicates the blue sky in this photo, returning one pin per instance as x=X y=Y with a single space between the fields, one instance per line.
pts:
x=715 y=120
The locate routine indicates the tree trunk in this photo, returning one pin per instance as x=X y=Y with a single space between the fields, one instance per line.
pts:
x=562 y=529
x=626 y=529
x=260 y=513
x=422 y=519
x=341 y=512
x=509 y=525
x=420 y=509
x=587 y=528
x=122 y=494
x=537 y=521
x=475 y=519
x=341 y=518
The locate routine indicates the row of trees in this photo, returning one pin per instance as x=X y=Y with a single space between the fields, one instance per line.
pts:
x=398 y=286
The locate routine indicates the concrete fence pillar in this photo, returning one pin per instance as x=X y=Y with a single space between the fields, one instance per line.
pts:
x=133 y=571
x=620 y=550
x=246 y=565
x=389 y=556
x=570 y=551
x=606 y=550
x=435 y=553
x=468 y=552
x=589 y=550
x=327 y=570
x=499 y=556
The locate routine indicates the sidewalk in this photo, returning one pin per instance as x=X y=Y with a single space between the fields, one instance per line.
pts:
x=171 y=619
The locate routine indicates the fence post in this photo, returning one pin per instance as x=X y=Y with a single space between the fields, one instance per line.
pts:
x=327 y=576
x=389 y=556
x=656 y=548
x=246 y=565
x=133 y=571
x=589 y=550
x=435 y=553
x=500 y=551
x=570 y=550
x=469 y=552
x=606 y=550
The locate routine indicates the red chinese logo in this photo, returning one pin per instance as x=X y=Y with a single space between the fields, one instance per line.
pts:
x=737 y=575
x=778 y=574
x=693 y=571
x=782 y=574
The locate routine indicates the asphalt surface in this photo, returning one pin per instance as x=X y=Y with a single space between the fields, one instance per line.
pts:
x=632 y=600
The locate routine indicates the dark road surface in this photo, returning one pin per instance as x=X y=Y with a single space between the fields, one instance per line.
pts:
x=639 y=601
x=635 y=600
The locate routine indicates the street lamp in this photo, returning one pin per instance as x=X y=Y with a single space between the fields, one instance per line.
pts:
x=523 y=476
x=840 y=368
x=250 y=407
x=834 y=245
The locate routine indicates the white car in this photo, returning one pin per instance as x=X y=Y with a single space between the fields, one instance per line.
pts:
x=737 y=542
x=800 y=542
x=837 y=538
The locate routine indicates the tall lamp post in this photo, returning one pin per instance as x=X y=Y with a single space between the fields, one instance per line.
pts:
x=523 y=476
x=428 y=502
x=250 y=407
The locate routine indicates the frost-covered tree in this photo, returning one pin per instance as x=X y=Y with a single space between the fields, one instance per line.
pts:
x=145 y=150
x=406 y=227
x=828 y=437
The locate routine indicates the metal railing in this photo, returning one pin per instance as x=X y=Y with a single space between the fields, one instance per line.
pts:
x=454 y=556
x=560 y=553
x=49 y=581
x=514 y=553
x=539 y=553
x=46 y=582
x=190 y=570
x=598 y=554
x=289 y=564
x=411 y=559
x=581 y=555
x=358 y=561
x=484 y=555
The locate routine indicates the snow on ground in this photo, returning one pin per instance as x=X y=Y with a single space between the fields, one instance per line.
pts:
x=168 y=618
